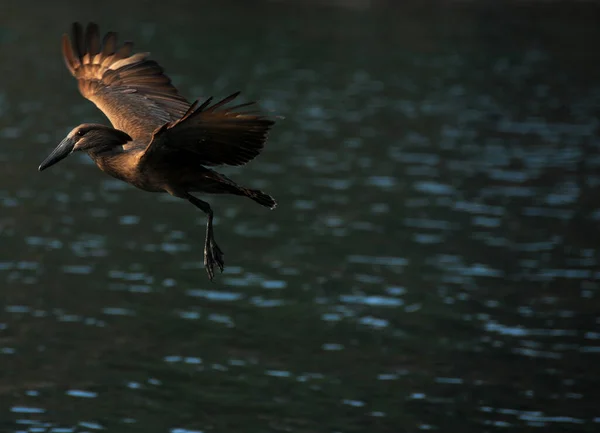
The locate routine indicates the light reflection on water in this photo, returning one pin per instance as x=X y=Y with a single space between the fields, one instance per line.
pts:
x=432 y=241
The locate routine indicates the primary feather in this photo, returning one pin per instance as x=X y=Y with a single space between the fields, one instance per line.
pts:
x=132 y=91
x=215 y=134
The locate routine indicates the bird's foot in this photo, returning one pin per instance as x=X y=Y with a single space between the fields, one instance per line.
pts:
x=212 y=256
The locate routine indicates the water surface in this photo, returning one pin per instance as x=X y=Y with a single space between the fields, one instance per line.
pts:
x=432 y=264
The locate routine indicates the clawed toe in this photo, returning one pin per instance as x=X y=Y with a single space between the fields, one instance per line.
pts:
x=213 y=256
x=217 y=255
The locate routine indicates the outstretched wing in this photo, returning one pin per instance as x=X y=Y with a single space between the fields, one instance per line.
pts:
x=216 y=134
x=132 y=91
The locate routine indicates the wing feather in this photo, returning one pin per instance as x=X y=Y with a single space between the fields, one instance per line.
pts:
x=109 y=44
x=215 y=135
x=92 y=39
x=131 y=90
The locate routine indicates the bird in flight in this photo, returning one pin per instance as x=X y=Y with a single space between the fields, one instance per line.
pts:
x=158 y=141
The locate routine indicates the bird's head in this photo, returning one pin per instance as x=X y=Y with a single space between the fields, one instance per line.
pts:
x=89 y=137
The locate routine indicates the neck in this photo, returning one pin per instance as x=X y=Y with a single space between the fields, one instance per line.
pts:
x=104 y=141
x=105 y=150
x=115 y=161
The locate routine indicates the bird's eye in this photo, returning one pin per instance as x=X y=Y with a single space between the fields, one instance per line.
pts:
x=80 y=133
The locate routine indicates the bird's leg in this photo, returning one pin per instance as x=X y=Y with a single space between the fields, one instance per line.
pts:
x=212 y=253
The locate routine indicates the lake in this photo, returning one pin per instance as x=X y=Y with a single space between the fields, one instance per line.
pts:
x=433 y=263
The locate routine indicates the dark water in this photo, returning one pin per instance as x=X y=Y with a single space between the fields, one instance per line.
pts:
x=433 y=263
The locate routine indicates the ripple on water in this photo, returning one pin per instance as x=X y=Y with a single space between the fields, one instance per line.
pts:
x=371 y=300
x=421 y=171
x=278 y=373
x=427 y=238
x=430 y=159
x=213 y=295
x=26 y=265
x=184 y=430
x=189 y=315
x=508 y=175
x=51 y=243
x=519 y=331
x=172 y=358
x=436 y=188
x=488 y=222
x=8 y=201
x=533 y=418
x=273 y=284
x=571 y=274
x=27 y=409
x=331 y=317
x=480 y=270
x=37 y=426
x=173 y=247
x=355 y=403
x=10 y=132
x=222 y=319
x=89 y=246
x=474 y=207
x=395 y=290
x=91 y=425
x=305 y=204
x=19 y=309
x=384 y=182
x=373 y=322
x=259 y=301
x=237 y=281
x=337 y=184
x=568 y=194
x=561 y=214
x=118 y=311
x=427 y=223
x=192 y=360
x=77 y=269
x=374 y=260
x=81 y=393
x=539 y=246
x=368 y=279
x=332 y=346
x=450 y=380
x=128 y=220
x=542 y=127
x=250 y=279
x=131 y=276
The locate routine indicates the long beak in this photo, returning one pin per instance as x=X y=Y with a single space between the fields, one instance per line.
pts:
x=61 y=152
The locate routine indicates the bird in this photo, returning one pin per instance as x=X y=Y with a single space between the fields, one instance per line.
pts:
x=158 y=141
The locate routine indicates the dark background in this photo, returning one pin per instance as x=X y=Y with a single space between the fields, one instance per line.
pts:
x=432 y=265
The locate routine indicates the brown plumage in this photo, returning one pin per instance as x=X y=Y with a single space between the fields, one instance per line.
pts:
x=158 y=141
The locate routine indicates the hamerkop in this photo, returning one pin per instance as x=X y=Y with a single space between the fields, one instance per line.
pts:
x=158 y=141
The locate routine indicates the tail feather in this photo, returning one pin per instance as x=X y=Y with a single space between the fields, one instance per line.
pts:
x=218 y=183
x=260 y=197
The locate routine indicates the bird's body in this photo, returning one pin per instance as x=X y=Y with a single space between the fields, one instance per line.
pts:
x=158 y=141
